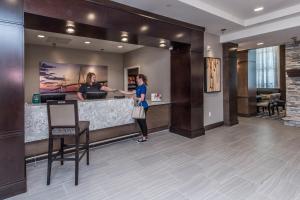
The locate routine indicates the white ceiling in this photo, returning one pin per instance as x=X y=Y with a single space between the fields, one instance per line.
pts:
x=75 y=42
x=237 y=16
x=244 y=8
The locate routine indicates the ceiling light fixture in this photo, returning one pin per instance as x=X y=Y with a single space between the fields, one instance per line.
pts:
x=91 y=16
x=162 y=44
x=258 y=9
x=124 y=37
x=70 y=29
x=179 y=35
x=120 y=46
x=144 y=28
x=41 y=36
x=260 y=43
x=87 y=42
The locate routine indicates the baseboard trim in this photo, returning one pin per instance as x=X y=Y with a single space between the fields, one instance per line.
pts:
x=13 y=189
x=231 y=123
x=215 y=125
x=247 y=115
x=188 y=133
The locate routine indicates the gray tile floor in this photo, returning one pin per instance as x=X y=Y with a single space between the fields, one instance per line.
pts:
x=259 y=159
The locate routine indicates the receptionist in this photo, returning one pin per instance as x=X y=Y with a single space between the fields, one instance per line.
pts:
x=92 y=85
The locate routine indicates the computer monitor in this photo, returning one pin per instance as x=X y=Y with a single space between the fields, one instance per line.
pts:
x=96 y=95
x=52 y=97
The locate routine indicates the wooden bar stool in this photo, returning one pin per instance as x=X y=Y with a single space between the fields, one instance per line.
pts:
x=63 y=122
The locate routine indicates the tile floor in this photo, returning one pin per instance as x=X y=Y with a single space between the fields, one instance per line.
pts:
x=259 y=159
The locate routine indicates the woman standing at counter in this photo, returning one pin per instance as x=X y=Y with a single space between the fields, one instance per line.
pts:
x=91 y=86
x=140 y=93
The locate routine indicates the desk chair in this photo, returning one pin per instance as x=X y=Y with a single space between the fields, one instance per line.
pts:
x=63 y=122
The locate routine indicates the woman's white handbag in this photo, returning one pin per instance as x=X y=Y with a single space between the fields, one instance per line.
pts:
x=138 y=112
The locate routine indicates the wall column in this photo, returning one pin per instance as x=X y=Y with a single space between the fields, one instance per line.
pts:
x=230 y=83
x=246 y=90
x=12 y=167
x=187 y=75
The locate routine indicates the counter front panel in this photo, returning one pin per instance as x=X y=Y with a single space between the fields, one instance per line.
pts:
x=101 y=114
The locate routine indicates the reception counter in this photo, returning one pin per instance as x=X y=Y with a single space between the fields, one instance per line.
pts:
x=100 y=113
x=109 y=118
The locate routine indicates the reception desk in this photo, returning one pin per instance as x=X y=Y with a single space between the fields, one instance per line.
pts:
x=109 y=119
x=100 y=113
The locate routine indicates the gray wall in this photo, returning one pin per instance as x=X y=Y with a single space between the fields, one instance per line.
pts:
x=35 y=53
x=155 y=64
x=213 y=102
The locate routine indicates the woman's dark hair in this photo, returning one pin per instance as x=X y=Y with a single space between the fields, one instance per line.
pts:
x=89 y=77
x=144 y=78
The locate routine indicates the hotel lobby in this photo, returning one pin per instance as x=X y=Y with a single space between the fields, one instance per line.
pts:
x=150 y=100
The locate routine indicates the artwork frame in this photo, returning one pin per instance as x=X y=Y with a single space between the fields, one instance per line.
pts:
x=66 y=77
x=212 y=75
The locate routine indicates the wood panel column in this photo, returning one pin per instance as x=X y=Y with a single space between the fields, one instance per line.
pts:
x=230 y=83
x=246 y=90
x=12 y=167
x=187 y=75
x=282 y=72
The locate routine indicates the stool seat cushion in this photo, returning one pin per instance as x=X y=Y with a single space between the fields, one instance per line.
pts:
x=83 y=125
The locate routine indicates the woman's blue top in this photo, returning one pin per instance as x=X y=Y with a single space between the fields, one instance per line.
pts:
x=142 y=89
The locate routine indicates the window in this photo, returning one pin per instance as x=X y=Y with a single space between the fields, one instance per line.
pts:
x=267 y=67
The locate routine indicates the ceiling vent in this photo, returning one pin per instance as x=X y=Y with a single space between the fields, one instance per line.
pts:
x=58 y=40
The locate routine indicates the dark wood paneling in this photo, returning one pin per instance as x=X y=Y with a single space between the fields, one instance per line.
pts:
x=246 y=90
x=187 y=73
x=180 y=87
x=12 y=167
x=11 y=11
x=230 y=83
x=11 y=79
x=283 y=73
x=111 y=15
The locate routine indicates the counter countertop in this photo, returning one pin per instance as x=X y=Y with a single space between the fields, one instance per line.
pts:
x=151 y=103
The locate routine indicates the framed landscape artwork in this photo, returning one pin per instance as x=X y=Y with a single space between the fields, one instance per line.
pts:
x=67 y=78
x=212 y=75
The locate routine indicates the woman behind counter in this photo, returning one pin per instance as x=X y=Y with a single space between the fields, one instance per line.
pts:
x=140 y=93
x=91 y=86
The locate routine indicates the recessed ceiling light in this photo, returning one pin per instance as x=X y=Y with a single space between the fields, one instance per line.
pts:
x=259 y=9
x=144 y=28
x=162 y=45
x=179 y=35
x=120 y=46
x=87 y=42
x=260 y=43
x=41 y=36
x=70 y=29
x=124 y=39
x=91 y=16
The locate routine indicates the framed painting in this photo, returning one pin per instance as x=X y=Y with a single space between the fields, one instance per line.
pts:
x=67 y=78
x=212 y=75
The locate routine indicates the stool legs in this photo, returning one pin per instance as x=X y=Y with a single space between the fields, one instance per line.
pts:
x=50 y=150
x=76 y=159
x=87 y=146
x=62 y=144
